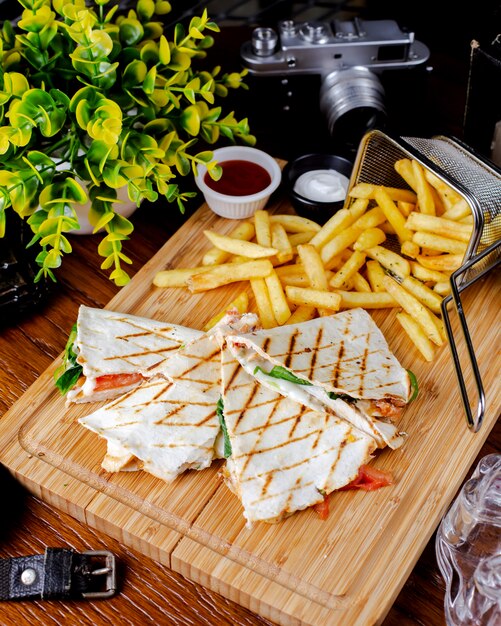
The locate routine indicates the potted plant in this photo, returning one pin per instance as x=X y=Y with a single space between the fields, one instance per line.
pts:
x=93 y=100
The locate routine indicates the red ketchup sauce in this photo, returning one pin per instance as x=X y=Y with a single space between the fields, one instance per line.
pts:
x=239 y=178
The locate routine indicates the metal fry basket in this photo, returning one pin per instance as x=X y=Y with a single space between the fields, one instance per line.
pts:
x=475 y=180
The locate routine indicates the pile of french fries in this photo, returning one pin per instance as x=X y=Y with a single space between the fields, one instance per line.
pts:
x=388 y=248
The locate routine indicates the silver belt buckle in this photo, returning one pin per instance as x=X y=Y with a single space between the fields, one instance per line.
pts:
x=105 y=567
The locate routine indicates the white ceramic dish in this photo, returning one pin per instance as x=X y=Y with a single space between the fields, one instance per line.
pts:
x=239 y=207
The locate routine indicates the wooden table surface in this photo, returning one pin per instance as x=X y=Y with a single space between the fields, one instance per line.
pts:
x=149 y=592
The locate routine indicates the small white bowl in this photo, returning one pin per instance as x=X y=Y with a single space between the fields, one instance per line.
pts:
x=239 y=207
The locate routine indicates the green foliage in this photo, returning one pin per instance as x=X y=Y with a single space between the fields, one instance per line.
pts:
x=91 y=94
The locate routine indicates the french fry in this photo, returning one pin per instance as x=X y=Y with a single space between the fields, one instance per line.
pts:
x=313 y=297
x=410 y=249
x=368 y=191
x=338 y=244
x=425 y=198
x=263 y=228
x=390 y=260
x=238 y=246
x=279 y=304
x=290 y=269
x=228 y=273
x=339 y=222
x=437 y=200
x=294 y=280
x=387 y=228
x=240 y=303
x=425 y=274
x=351 y=266
x=263 y=302
x=369 y=238
x=375 y=275
x=441 y=263
x=449 y=196
x=429 y=252
x=405 y=207
x=442 y=288
x=370 y=219
x=313 y=266
x=392 y=214
x=406 y=171
x=411 y=305
x=296 y=239
x=312 y=263
x=176 y=277
x=299 y=280
x=366 y=300
x=417 y=335
x=458 y=211
x=295 y=223
x=347 y=237
x=439 y=225
x=360 y=283
x=423 y=293
x=439 y=243
x=216 y=256
x=303 y=313
x=280 y=241
x=440 y=327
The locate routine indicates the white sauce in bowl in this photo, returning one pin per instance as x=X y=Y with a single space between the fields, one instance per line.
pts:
x=322 y=185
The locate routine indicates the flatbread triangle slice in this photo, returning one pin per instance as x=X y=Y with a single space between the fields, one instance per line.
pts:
x=345 y=366
x=285 y=457
x=118 y=350
x=167 y=426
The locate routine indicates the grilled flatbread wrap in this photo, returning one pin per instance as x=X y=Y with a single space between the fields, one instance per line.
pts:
x=117 y=351
x=166 y=426
x=168 y=423
x=285 y=457
x=340 y=363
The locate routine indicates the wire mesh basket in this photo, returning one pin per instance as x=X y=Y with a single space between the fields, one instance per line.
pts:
x=476 y=181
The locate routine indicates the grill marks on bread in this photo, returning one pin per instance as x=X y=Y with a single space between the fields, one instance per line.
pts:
x=169 y=425
x=354 y=360
x=139 y=332
x=279 y=445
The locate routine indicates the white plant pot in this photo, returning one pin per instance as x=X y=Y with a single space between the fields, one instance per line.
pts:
x=125 y=207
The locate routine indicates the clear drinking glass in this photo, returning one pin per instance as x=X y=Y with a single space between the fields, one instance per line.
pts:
x=468 y=548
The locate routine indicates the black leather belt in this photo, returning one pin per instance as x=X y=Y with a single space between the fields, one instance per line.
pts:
x=58 y=574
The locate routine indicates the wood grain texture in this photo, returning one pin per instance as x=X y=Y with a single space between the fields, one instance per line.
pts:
x=41 y=337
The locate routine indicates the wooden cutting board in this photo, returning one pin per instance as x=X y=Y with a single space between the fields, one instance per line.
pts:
x=345 y=570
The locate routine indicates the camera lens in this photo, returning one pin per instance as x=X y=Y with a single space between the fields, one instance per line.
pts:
x=352 y=101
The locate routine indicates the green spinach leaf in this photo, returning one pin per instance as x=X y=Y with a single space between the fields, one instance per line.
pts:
x=222 y=423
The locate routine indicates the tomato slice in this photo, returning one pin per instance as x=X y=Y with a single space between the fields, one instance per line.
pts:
x=112 y=381
x=322 y=508
x=370 y=478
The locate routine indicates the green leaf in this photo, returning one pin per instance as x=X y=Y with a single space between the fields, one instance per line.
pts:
x=145 y=9
x=190 y=120
x=53 y=259
x=131 y=31
x=68 y=379
x=277 y=371
x=149 y=81
x=119 y=277
x=414 y=385
x=220 y=415
x=182 y=164
x=102 y=221
x=342 y=396
x=69 y=372
x=164 y=51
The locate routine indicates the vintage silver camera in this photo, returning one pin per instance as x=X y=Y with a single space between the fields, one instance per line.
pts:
x=348 y=55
